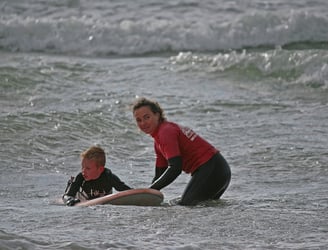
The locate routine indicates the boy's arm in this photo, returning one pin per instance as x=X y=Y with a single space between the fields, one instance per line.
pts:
x=72 y=188
x=118 y=184
x=70 y=200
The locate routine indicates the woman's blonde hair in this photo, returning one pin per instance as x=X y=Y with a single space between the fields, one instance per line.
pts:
x=95 y=153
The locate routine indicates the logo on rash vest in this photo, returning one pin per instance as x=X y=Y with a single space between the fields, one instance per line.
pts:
x=83 y=196
x=189 y=133
x=97 y=193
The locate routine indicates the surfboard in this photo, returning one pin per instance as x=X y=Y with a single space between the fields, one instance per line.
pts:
x=132 y=197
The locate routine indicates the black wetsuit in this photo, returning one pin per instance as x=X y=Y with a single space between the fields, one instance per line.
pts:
x=209 y=181
x=80 y=188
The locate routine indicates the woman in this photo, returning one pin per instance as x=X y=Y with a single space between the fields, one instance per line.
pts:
x=180 y=149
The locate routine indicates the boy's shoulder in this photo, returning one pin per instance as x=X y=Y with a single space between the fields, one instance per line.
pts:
x=107 y=172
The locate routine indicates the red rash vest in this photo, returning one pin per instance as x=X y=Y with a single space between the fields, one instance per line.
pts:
x=171 y=140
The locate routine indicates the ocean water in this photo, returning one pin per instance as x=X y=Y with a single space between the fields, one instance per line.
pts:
x=249 y=76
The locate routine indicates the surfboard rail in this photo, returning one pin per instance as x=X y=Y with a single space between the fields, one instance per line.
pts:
x=131 y=197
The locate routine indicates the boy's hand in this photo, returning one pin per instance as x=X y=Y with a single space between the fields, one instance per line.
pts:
x=72 y=201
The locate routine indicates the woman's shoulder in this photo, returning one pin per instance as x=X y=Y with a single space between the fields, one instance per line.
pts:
x=169 y=125
x=168 y=128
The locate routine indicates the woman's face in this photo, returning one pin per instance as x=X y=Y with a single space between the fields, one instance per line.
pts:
x=146 y=120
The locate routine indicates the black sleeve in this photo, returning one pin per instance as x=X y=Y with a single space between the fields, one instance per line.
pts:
x=118 y=184
x=74 y=187
x=170 y=174
x=158 y=173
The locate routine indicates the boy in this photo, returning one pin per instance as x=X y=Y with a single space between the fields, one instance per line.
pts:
x=94 y=180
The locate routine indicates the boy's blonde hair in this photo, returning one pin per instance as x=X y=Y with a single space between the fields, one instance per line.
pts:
x=95 y=153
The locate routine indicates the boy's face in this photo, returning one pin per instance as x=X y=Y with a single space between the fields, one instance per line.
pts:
x=90 y=170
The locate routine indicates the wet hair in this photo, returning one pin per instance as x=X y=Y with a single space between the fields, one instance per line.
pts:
x=95 y=153
x=153 y=105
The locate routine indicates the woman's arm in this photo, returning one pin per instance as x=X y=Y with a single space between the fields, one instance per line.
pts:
x=169 y=174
